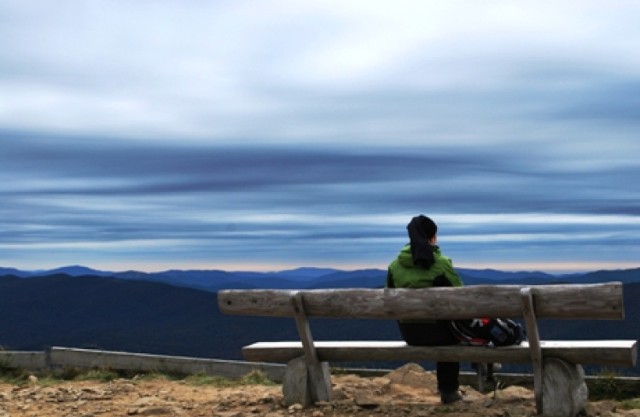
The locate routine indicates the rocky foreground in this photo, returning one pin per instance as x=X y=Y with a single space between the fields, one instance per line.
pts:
x=409 y=392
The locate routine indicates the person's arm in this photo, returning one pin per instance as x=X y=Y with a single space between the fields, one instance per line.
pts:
x=452 y=275
x=444 y=267
x=390 y=283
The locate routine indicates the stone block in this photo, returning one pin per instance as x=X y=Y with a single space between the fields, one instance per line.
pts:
x=300 y=387
x=295 y=386
x=564 y=391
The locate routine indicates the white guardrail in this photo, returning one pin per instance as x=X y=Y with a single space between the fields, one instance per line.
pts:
x=61 y=357
x=64 y=357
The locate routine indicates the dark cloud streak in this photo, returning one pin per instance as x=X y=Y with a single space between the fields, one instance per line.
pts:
x=474 y=180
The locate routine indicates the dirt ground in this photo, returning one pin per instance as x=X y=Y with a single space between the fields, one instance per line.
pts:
x=409 y=392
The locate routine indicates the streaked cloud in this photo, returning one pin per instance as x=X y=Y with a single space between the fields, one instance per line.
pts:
x=286 y=133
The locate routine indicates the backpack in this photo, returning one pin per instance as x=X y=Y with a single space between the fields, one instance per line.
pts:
x=487 y=332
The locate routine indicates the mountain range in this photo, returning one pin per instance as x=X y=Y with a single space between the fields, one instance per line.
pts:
x=309 y=277
x=175 y=312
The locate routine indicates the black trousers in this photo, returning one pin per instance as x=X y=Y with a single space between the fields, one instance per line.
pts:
x=434 y=334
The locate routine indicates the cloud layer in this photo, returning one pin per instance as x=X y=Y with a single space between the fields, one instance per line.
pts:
x=260 y=135
x=117 y=199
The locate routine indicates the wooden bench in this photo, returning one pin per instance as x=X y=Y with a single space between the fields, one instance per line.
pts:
x=556 y=364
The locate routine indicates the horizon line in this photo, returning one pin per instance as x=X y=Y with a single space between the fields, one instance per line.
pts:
x=556 y=268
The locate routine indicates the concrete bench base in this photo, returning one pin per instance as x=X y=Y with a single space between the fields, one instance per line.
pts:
x=296 y=387
x=564 y=388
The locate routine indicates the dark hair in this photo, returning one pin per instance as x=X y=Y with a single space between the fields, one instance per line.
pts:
x=422 y=229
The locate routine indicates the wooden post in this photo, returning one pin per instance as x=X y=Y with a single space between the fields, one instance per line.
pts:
x=528 y=312
x=319 y=378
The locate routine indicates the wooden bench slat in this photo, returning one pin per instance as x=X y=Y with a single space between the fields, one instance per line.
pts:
x=602 y=352
x=574 y=301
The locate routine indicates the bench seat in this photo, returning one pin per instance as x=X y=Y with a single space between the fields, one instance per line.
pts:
x=601 y=352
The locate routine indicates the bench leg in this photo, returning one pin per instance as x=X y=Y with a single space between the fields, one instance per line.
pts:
x=564 y=389
x=305 y=386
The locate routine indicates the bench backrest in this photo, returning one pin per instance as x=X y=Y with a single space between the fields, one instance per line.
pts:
x=561 y=301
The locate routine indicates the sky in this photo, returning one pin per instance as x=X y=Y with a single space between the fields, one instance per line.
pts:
x=267 y=135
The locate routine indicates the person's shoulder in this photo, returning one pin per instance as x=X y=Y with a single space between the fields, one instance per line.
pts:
x=437 y=253
x=441 y=259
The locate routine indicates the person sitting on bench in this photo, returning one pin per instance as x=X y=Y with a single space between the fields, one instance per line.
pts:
x=420 y=264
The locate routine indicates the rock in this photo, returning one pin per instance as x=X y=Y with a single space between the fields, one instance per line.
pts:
x=229 y=414
x=295 y=386
x=338 y=394
x=564 y=391
x=145 y=401
x=412 y=383
x=366 y=399
x=515 y=392
x=154 y=411
x=413 y=375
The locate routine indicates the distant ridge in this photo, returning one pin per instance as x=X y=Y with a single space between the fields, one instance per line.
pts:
x=14 y=272
x=494 y=274
x=310 y=277
x=307 y=272
x=77 y=270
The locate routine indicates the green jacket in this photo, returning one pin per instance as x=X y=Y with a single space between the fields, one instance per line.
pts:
x=403 y=274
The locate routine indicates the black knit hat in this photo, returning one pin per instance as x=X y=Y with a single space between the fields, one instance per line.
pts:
x=421 y=229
